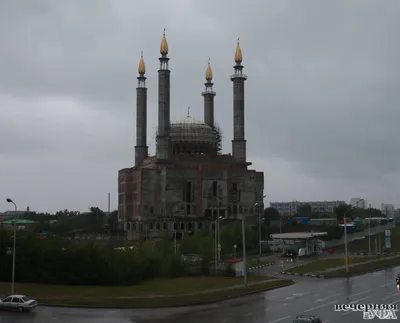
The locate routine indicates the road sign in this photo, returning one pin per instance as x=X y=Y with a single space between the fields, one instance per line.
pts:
x=388 y=242
x=219 y=247
x=388 y=233
x=235 y=246
x=9 y=251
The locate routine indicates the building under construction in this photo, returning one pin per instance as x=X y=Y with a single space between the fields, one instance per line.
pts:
x=189 y=182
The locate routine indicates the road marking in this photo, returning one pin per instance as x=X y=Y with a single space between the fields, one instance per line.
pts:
x=366 y=291
x=223 y=321
x=390 y=296
x=353 y=303
x=290 y=297
x=273 y=308
x=325 y=321
x=326 y=304
x=323 y=299
x=283 y=318
x=248 y=314
x=395 y=302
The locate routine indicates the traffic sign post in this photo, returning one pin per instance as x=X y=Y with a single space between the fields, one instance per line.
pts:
x=388 y=239
x=388 y=242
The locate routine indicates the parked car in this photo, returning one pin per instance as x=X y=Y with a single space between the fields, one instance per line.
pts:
x=20 y=303
x=307 y=319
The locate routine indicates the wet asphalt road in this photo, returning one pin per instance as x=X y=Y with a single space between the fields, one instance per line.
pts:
x=309 y=296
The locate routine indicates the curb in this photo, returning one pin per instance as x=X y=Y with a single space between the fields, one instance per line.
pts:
x=262 y=266
x=306 y=275
x=366 y=253
x=261 y=290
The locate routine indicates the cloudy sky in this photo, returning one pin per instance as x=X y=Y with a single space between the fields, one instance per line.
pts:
x=322 y=96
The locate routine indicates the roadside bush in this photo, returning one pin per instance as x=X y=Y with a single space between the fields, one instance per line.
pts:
x=62 y=261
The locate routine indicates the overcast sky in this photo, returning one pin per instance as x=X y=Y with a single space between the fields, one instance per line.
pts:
x=322 y=96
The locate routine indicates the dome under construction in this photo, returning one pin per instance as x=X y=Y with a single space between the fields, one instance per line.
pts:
x=193 y=136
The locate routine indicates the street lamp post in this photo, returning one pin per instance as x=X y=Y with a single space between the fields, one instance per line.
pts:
x=15 y=234
x=244 y=251
x=216 y=242
x=219 y=220
x=369 y=231
x=259 y=204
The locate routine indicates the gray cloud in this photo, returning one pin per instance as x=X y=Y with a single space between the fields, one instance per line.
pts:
x=322 y=93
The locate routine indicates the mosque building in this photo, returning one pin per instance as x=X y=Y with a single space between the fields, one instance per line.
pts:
x=189 y=182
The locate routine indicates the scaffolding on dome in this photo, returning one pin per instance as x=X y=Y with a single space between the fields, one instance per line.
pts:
x=193 y=136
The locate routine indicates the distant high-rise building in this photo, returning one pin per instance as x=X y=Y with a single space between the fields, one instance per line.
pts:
x=388 y=210
x=358 y=202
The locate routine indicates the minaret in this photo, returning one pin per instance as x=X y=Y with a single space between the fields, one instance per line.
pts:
x=238 y=142
x=208 y=95
x=141 y=148
x=163 y=136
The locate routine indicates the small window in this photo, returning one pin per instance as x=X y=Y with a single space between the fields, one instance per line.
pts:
x=158 y=227
x=151 y=226
x=175 y=226
x=200 y=225
x=151 y=210
x=182 y=226
x=164 y=226
x=7 y=300
x=190 y=226
x=16 y=300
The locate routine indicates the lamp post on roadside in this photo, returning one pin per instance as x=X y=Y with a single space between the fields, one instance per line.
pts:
x=259 y=206
x=15 y=234
x=216 y=241
x=244 y=251
x=219 y=220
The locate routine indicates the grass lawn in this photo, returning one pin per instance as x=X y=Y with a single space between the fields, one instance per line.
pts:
x=365 y=268
x=362 y=244
x=153 y=287
x=325 y=264
x=156 y=293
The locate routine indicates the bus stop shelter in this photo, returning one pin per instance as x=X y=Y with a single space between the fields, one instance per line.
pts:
x=310 y=239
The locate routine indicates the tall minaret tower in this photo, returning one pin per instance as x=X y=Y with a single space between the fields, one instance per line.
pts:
x=163 y=135
x=141 y=148
x=238 y=142
x=208 y=95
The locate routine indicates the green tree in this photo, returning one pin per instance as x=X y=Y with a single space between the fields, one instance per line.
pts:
x=341 y=210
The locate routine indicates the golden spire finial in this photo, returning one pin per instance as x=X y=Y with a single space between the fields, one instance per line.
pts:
x=238 y=54
x=142 y=66
x=164 y=45
x=209 y=74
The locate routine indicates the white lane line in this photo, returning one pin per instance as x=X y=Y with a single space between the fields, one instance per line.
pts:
x=347 y=313
x=273 y=308
x=360 y=299
x=390 y=296
x=395 y=302
x=223 y=321
x=366 y=291
x=325 y=321
x=324 y=299
x=248 y=314
x=281 y=319
x=326 y=304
